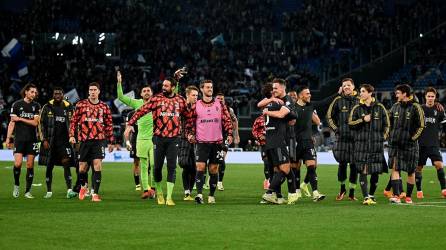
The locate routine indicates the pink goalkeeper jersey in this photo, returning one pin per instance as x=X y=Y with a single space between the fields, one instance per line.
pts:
x=209 y=123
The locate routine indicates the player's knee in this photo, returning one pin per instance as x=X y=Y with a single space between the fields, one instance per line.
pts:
x=438 y=165
x=30 y=164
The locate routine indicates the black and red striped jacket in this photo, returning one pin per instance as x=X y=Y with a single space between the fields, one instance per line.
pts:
x=258 y=130
x=94 y=121
x=166 y=113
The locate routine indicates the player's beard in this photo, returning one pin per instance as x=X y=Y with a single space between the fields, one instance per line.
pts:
x=167 y=93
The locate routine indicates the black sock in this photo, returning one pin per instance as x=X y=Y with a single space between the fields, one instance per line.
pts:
x=199 y=180
x=353 y=178
x=440 y=175
x=409 y=189
x=185 y=178
x=291 y=181
x=49 y=177
x=265 y=170
x=389 y=185
x=276 y=181
x=16 y=172
x=396 y=187
x=67 y=175
x=83 y=176
x=311 y=171
x=221 y=171
x=97 y=178
x=342 y=176
x=29 y=178
x=213 y=179
x=297 y=177
x=363 y=184
x=418 y=180
x=192 y=173
x=373 y=183
x=307 y=177
x=136 y=178
x=92 y=177
x=401 y=185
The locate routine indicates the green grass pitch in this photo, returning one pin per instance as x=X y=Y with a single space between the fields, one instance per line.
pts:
x=124 y=221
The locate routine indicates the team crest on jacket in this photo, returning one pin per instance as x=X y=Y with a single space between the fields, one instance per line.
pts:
x=376 y=115
x=344 y=109
x=408 y=115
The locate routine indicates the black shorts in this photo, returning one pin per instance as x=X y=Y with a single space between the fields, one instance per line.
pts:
x=26 y=148
x=211 y=152
x=277 y=156
x=61 y=151
x=305 y=151
x=133 y=151
x=432 y=153
x=91 y=150
x=292 y=149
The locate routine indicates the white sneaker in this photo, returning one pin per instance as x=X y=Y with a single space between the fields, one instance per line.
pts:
x=16 y=191
x=292 y=198
x=29 y=195
x=48 y=195
x=272 y=198
x=89 y=194
x=220 y=186
x=211 y=200
x=281 y=201
x=318 y=196
x=299 y=193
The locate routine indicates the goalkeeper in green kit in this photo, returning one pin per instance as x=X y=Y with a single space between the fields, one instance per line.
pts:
x=144 y=144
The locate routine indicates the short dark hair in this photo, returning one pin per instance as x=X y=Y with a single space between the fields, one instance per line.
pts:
x=145 y=86
x=205 y=81
x=280 y=81
x=27 y=87
x=368 y=87
x=173 y=82
x=301 y=88
x=95 y=84
x=57 y=88
x=190 y=89
x=430 y=89
x=220 y=94
x=347 y=79
x=267 y=89
x=404 y=88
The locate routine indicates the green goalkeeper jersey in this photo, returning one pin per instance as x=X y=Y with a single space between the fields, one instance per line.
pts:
x=145 y=124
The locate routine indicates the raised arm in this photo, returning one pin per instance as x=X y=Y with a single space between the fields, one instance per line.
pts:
x=131 y=102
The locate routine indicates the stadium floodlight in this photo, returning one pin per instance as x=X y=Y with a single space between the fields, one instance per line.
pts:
x=56 y=36
x=421 y=34
x=108 y=54
x=101 y=37
x=77 y=40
